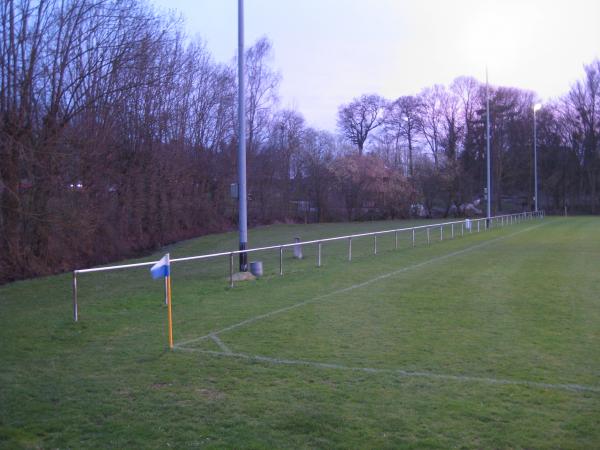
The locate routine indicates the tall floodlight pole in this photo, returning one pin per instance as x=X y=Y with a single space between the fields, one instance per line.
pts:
x=243 y=214
x=536 y=108
x=487 y=132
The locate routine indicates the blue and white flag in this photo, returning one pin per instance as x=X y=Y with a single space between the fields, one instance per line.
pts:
x=161 y=268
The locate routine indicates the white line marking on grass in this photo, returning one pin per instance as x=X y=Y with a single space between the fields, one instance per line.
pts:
x=220 y=343
x=403 y=373
x=354 y=286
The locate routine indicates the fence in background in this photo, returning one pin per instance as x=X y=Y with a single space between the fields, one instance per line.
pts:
x=433 y=232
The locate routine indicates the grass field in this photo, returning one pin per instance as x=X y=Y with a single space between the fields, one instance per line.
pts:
x=488 y=340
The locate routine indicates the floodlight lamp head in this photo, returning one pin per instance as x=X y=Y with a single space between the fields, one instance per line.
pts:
x=537 y=107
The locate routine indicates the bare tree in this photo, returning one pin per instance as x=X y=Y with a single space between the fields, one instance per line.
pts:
x=402 y=117
x=318 y=153
x=584 y=99
x=275 y=168
x=359 y=117
x=431 y=117
x=468 y=90
x=261 y=89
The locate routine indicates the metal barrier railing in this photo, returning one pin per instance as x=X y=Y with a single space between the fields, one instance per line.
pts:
x=488 y=223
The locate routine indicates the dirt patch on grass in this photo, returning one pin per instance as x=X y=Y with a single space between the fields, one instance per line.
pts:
x=211 y=394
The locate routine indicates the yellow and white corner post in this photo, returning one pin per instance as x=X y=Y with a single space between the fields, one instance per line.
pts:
x=169 y=302
x=162 y=269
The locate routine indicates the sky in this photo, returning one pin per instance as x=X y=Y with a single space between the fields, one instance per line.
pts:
x=330 y=51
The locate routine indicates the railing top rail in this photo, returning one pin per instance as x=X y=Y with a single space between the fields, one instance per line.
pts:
x=274 y=247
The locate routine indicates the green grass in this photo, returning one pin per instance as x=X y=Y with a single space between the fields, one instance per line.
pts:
x=469 y=342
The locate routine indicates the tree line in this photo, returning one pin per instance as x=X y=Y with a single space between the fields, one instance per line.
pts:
x=118 y=135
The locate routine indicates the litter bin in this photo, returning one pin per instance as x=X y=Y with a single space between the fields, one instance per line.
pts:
x=256 y=268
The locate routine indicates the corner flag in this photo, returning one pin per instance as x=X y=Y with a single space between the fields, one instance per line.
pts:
x=161 y=268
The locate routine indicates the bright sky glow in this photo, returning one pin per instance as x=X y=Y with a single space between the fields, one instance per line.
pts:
x=329 y=51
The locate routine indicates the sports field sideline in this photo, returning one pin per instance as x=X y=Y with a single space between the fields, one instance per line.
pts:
x=485 y=340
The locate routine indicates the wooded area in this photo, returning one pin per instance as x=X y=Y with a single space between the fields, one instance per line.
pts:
x=118 y=135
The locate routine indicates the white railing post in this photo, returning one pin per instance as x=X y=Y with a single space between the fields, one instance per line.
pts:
x=280 y=260
x=231 y=270
x=75 y=305
x=349 y=249
x=319 y=256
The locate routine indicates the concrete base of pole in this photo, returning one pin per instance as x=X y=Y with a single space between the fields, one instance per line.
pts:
x=243 y=276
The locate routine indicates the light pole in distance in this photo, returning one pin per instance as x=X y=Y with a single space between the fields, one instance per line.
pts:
x=487 y=157
x=536 y=108
x=242 y=197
